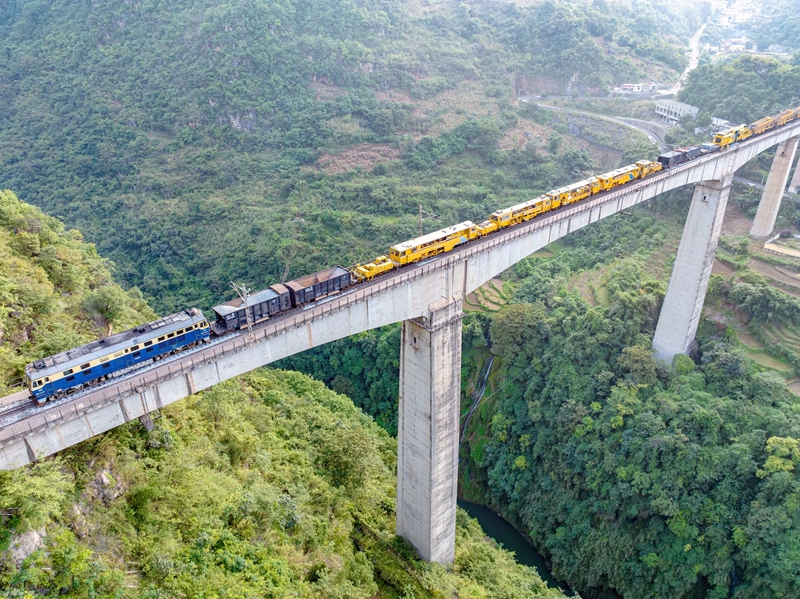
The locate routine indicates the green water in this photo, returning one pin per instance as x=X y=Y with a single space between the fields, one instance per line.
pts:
x=505 y=534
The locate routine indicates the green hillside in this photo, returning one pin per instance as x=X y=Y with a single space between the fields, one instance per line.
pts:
x=198 y=142
x=56 y=291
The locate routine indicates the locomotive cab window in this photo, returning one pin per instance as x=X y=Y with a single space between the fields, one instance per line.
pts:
x=148 y=343
x=67 y=372
x=161 y=338
x=170 y=336
x=134 y=348
x=84 y=366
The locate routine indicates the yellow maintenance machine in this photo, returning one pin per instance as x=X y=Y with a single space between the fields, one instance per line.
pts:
x=647 y=167
x=519 y=213
x=367 y=272
x=734 y=134
x=786 y=116
x=432 y=244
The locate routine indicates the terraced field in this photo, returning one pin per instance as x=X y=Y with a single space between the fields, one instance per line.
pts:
x=490 y=297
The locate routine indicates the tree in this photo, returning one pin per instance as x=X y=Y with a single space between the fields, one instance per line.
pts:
x=109 y=303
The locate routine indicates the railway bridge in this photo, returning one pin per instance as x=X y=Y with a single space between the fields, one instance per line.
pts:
x=427 y=298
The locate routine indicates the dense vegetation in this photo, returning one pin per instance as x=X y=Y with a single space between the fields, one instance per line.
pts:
x=780 y=25
x=188 y=139
x=268 y=486
x=56 y=292
x=744 y=89
x=652 y=481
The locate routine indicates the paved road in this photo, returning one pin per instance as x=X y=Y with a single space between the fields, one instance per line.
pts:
x=636 y=124
x=750 y=183
x=694 y=59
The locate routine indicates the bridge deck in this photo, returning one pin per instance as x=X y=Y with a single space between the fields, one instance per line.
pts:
x=26 y=420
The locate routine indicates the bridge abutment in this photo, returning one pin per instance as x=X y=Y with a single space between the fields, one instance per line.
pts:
x=427 y=460
x=686 y=293
x=764 y=222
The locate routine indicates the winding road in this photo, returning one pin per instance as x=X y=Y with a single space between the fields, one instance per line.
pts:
x=654 y=131
x=645 y=127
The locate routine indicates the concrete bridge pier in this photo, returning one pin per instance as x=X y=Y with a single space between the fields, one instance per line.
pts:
x=770 y=203
x=794 y=186
x=427 y=461
x=683 y=303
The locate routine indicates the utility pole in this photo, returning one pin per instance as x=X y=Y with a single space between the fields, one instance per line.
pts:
x=244 y=294
x=429 y=216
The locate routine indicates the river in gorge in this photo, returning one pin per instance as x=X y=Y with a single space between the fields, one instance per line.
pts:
x=505 y=534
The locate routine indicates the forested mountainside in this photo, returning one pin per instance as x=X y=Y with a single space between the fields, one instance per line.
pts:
x=744 y=89
x=780 y=24
x=652 y=481
x=269 y=486
x=197 y=142
x=56 y=291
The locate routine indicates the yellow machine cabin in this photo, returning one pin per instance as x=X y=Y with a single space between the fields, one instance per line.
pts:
x=432 y=244
x=367 y=272
x=486 y=227
x=729 y=136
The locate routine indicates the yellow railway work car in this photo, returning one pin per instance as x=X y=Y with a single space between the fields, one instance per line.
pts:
x=570 y=194
x=647 y=167
x=367 y=272
x=761 y=125
x=519 y=213
x=616 y=178
x=786 y=116
x=729 y=136
x=432 y=244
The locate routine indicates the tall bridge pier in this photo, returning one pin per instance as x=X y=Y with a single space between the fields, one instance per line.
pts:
x=770 y=203
x=427 y=460
x=794 y=186
x=686 y=293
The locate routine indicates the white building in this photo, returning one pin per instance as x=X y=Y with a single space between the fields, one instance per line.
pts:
x=637 y=88
x=671 y=111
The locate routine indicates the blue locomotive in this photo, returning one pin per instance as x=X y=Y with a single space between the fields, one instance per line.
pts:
x=54 y=376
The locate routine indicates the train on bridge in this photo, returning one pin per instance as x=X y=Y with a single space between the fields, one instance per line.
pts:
x=56 y=376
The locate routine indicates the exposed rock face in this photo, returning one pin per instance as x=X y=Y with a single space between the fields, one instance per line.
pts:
x=106 y=487
x=23 y=545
